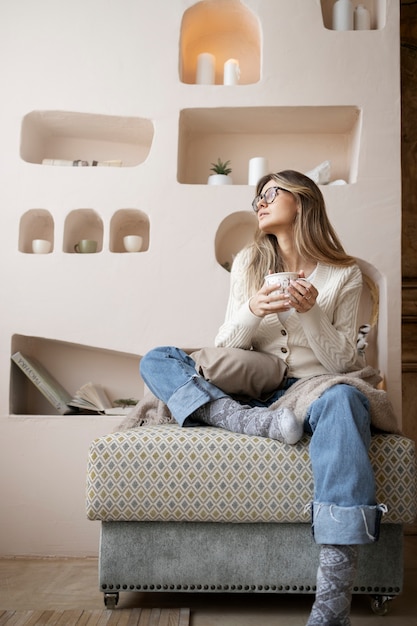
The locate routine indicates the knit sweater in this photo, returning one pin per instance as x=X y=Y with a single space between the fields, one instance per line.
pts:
x=320 y=341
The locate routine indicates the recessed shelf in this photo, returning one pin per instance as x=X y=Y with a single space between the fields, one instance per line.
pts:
x=289 y=137
x=73 y=136
x=35 y=224
x=376 y=8
x=128 y=222
x=225 y=30
x=82 y=224
x=72 y=365
x=233 y=234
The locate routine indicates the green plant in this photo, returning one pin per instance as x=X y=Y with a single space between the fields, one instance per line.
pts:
x=221 y=167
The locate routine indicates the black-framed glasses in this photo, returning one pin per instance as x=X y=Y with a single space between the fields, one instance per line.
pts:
x=269 y=196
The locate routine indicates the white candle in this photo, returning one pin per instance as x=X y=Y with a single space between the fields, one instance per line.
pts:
x=258 y=167
x=231 y=73
x=206 y=63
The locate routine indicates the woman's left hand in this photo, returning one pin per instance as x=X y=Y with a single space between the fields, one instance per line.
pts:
x=303 y=295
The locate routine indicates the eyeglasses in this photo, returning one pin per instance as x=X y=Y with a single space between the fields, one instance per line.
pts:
x=269 y=196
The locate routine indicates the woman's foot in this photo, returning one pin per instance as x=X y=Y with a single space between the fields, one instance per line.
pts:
x=281 y=424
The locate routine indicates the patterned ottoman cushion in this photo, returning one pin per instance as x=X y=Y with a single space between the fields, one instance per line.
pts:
x=168 y=473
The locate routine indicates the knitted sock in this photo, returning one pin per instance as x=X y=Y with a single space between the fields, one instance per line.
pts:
x=335 y=578
x=280 y=424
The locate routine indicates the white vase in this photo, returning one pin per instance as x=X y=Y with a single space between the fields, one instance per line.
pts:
x=343 y=15
x=258 y=167
x=362 y=18
x=219 y=179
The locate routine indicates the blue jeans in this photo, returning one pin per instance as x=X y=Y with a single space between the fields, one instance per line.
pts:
x=344 y=509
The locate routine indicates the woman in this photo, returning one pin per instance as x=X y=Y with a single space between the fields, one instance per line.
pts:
x=313 y=329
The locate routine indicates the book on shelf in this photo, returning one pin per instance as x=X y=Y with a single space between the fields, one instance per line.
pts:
x=83 y=163
x=91 y=397
x=44 y=382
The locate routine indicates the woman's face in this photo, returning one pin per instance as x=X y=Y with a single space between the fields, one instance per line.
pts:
x=280 y=214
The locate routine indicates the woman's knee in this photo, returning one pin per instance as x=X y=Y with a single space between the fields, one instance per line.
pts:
x=337 y=401
x=348 y=394
x=151 y=358
x=156 y=356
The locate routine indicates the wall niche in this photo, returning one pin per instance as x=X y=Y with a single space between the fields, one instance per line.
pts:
x=82 y=224
x=128 y=222
x=234 y=233
x=227 y=30
x=66 y=137
x=376 y=8
x=35 y=224
x=298 y=137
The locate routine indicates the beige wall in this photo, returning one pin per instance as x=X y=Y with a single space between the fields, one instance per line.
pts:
x=315 y=94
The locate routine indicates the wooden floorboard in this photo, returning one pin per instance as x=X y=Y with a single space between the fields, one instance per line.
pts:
x=104 y=617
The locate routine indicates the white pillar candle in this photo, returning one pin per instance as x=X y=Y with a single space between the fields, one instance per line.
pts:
x=258 y=167
x=206 y=64
x=231 y=72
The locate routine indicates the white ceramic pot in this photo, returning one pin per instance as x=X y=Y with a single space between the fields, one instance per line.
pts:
x=219 y=179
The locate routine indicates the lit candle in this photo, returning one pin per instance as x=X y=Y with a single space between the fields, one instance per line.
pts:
x=206 y=63
x=258 y=167
x=231 y=73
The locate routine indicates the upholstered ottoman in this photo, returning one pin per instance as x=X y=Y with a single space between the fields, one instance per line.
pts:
x=206 y=510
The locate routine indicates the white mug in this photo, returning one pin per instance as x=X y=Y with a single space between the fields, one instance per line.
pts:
x=41 y=246
x=282 y=279
x=132 y=243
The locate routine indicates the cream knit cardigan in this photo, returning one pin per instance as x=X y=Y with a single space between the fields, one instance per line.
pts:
x=321 y=341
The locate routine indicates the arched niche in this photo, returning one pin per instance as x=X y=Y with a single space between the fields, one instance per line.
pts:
x=128 y=222
x=35 y=224
x=233 y=234
x=226 y=29
x=82 y=224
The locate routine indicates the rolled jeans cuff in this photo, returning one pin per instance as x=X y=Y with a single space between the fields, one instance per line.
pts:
x=339 y=525
x=190 y=397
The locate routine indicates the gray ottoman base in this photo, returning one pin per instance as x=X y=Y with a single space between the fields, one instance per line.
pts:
x=238 y=558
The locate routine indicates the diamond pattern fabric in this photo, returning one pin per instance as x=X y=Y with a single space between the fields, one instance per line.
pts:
x=168 y=473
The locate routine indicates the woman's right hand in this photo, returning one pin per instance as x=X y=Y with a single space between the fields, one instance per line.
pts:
x=269 y=300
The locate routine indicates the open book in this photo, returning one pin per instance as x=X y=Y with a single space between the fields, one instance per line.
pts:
x=90 y=397
x=93 y=397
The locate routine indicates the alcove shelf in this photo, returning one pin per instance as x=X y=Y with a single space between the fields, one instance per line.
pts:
x=234 y=232
x=82 y=224
x=377 y=9
x=35 y=224
x=72 y=365
x=290 y=137
x=225 y=30
x=128 y=222
x=71 y=136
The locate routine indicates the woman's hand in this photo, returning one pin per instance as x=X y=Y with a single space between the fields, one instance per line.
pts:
x=269 y=300
x=302 y=294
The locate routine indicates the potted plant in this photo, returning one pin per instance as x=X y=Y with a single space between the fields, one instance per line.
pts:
x=221 y=171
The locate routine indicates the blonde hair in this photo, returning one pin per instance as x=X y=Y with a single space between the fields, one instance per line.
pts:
x=314 y=237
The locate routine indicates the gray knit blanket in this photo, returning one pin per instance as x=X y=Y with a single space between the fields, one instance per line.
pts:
x=298 y=398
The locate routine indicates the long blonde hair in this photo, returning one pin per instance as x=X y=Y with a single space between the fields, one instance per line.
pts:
x=314 y=237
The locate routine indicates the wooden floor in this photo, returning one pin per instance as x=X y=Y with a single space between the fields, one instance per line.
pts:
x=79 y=617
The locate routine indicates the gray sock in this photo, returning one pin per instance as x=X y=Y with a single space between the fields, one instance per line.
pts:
x=335 y=578
x=226 y=413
